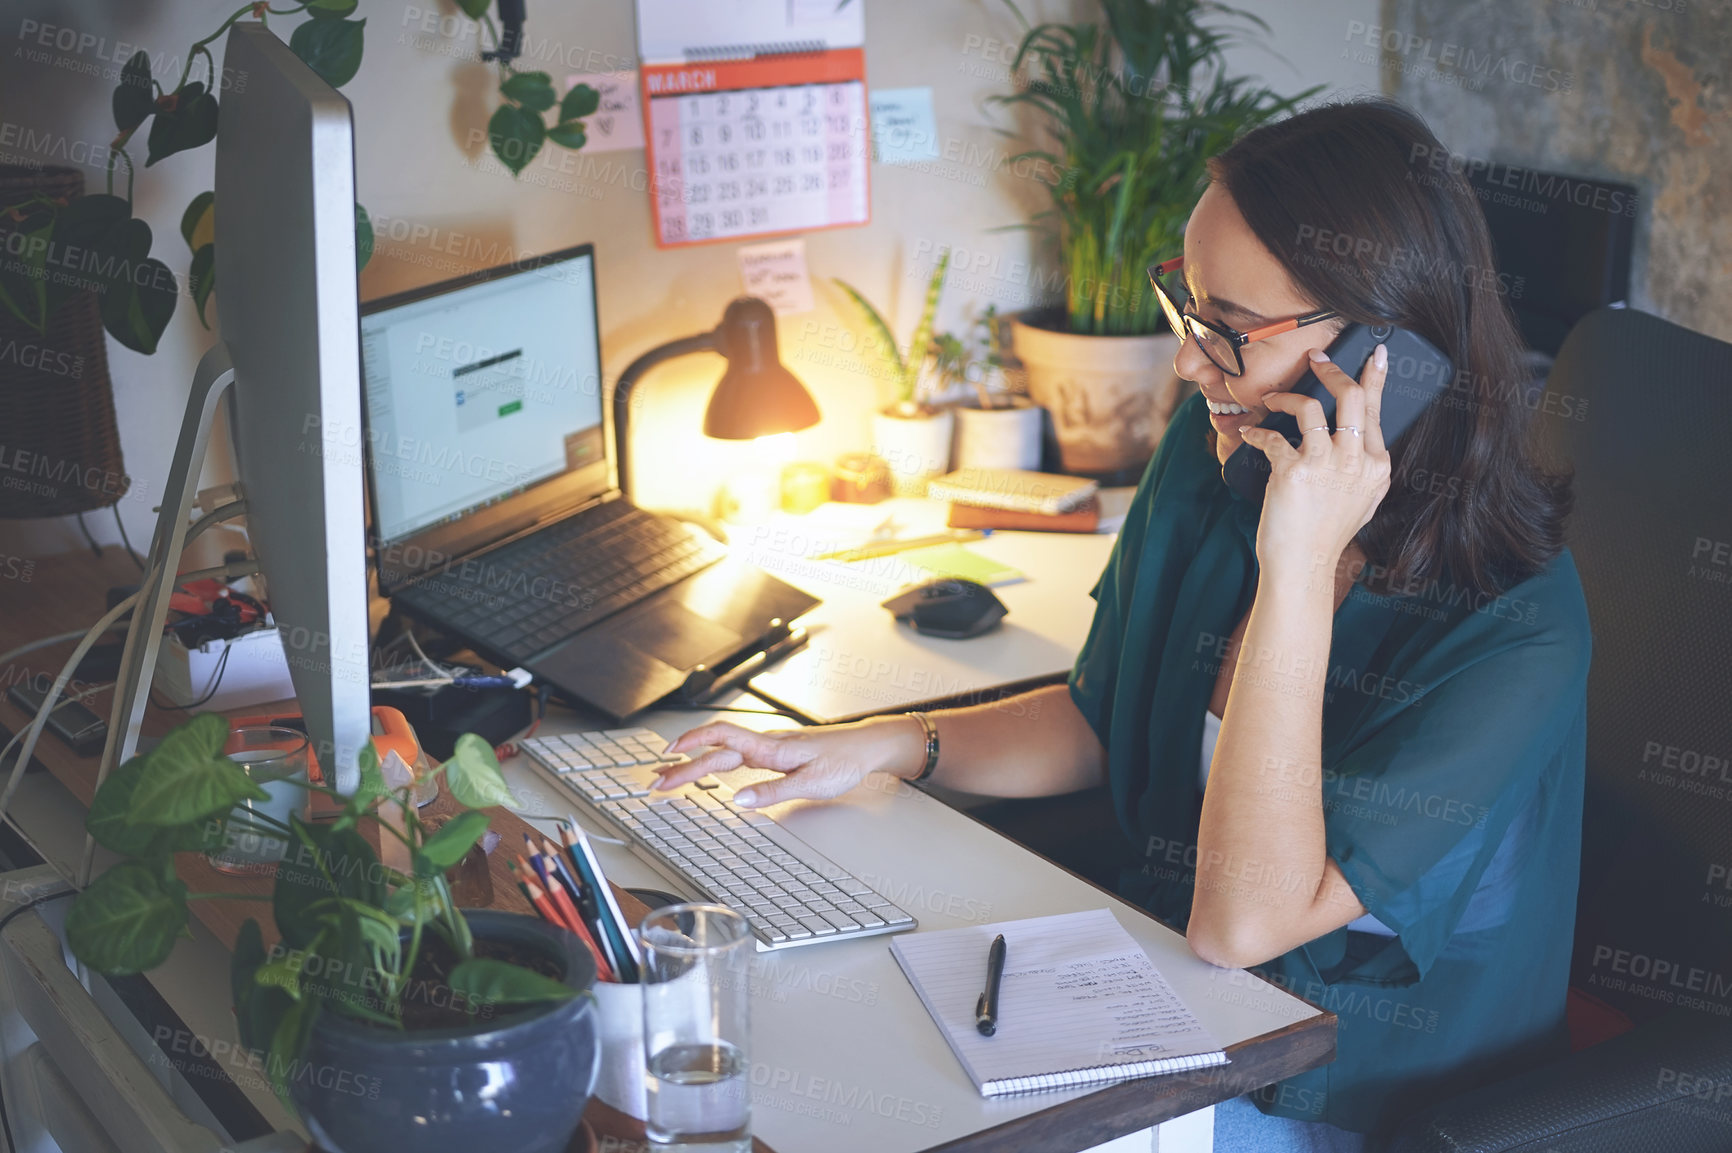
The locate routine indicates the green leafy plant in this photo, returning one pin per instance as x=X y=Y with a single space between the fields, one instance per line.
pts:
x=520 y=127
x=1134 y=107
x=95 y=242
x=903 y=366
x=343 y=916
x=977 y=357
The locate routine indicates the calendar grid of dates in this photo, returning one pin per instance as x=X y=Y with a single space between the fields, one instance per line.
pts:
x=741 y=163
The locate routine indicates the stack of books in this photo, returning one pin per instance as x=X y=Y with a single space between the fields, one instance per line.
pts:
x=988 y=498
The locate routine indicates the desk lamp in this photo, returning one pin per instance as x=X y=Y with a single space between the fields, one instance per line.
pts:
x=755 y=397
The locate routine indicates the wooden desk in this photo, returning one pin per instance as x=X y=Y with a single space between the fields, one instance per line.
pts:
x=895 y=838
x=63 y=593
x=69 y=589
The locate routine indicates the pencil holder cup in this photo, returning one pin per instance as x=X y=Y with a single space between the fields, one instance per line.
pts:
x=620 y=1083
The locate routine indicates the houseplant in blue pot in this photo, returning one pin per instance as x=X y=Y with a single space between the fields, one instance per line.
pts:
x=383 y=1011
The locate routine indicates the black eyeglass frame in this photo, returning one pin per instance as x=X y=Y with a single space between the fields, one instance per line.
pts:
x=1188 y=325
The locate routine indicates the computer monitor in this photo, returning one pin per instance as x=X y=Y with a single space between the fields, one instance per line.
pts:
x=483 y=407
x=288 y=310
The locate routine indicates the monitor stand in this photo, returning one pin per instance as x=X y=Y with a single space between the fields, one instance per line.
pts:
x=212 y=378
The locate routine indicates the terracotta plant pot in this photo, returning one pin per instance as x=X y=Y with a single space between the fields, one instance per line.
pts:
x=1110 y=396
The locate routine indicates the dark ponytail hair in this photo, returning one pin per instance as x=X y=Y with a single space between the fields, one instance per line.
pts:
x=1358 y=201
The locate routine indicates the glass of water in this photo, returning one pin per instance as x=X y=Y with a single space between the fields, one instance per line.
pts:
x=697 y=970
x=276 y=759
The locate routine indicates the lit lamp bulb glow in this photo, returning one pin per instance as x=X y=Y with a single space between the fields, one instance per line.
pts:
x=778 y=446
x=754 y=490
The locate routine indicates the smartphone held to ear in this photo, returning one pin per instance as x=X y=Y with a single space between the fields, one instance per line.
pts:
x=1418 y=374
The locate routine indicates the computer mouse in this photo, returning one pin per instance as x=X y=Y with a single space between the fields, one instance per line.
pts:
x=948 y=607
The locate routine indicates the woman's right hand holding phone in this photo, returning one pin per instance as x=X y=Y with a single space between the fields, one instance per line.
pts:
x=818 y=763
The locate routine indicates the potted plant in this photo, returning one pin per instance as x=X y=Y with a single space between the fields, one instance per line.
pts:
x=911 y=435
x=76 y=264
x=138 y=292
x=996 y=427
x=1134 y=108
x=85 y=263
x=383 y=1008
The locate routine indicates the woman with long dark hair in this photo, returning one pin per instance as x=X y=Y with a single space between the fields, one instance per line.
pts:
x=1343 y=727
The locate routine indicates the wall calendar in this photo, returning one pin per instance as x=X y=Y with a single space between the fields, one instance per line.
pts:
x=757 y=138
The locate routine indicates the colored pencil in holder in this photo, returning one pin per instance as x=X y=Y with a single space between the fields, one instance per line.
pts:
x=581 y=909
x=549 y=908
x=557 y=861
x=609 y=919
x=537 y=899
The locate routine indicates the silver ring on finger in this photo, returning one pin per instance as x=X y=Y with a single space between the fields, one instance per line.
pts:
x=1350 y=428
x=1319 y=428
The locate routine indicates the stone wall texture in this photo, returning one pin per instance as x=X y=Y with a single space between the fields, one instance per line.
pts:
x=1631 y=90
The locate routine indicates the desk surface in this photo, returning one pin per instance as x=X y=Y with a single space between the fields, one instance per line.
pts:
x=844 y=1057
x=861 y=661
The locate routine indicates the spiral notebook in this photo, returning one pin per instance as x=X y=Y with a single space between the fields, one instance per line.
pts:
x=1080 y=1004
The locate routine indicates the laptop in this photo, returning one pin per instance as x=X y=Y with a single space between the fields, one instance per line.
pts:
x=495 y=518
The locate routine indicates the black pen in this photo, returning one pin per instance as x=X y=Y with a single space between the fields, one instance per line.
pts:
x=986 y=1009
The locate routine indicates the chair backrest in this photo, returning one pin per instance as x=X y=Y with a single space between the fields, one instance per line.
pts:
x=1563 y=242
x=1643 y=411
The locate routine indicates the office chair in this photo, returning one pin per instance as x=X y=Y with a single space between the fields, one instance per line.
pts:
x=1652 y=538
x=1564 y=243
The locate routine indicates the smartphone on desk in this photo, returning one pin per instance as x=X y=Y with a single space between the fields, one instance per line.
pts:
x=1418 y=375
x=72 y=721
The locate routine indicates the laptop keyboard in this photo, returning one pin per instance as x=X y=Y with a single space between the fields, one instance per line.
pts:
x=530 y=594
x=790 y=893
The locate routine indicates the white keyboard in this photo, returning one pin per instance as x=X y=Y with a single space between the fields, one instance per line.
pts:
x=789 y=892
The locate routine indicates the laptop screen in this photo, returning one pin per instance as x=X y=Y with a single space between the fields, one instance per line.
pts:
x=480 y=392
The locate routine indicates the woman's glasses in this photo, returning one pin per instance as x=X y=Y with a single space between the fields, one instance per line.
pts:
x=1218 y=342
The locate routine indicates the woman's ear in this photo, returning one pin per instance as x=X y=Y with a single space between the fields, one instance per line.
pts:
x=1329 y=330
x=1315 y=336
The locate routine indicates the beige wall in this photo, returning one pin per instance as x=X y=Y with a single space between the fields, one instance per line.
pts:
x=419 y=109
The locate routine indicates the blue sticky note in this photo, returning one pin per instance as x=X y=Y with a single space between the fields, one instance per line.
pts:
x=903 y=128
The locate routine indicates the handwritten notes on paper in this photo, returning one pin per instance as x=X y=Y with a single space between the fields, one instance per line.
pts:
x=904 y=130
x=1080 y=1003
x=776 y=273
x=617 y=124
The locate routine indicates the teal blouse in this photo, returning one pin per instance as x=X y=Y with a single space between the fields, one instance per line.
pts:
x=1453 y=759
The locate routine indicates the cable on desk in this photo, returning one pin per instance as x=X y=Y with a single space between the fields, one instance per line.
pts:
x=509 y=748
x=228 y=571
x=44 y=643
x=216 y=682
x=52 y=699
x=238 y=568
x=436 y=668
x=772 y=711
x=673 y=707
x=69 y=891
